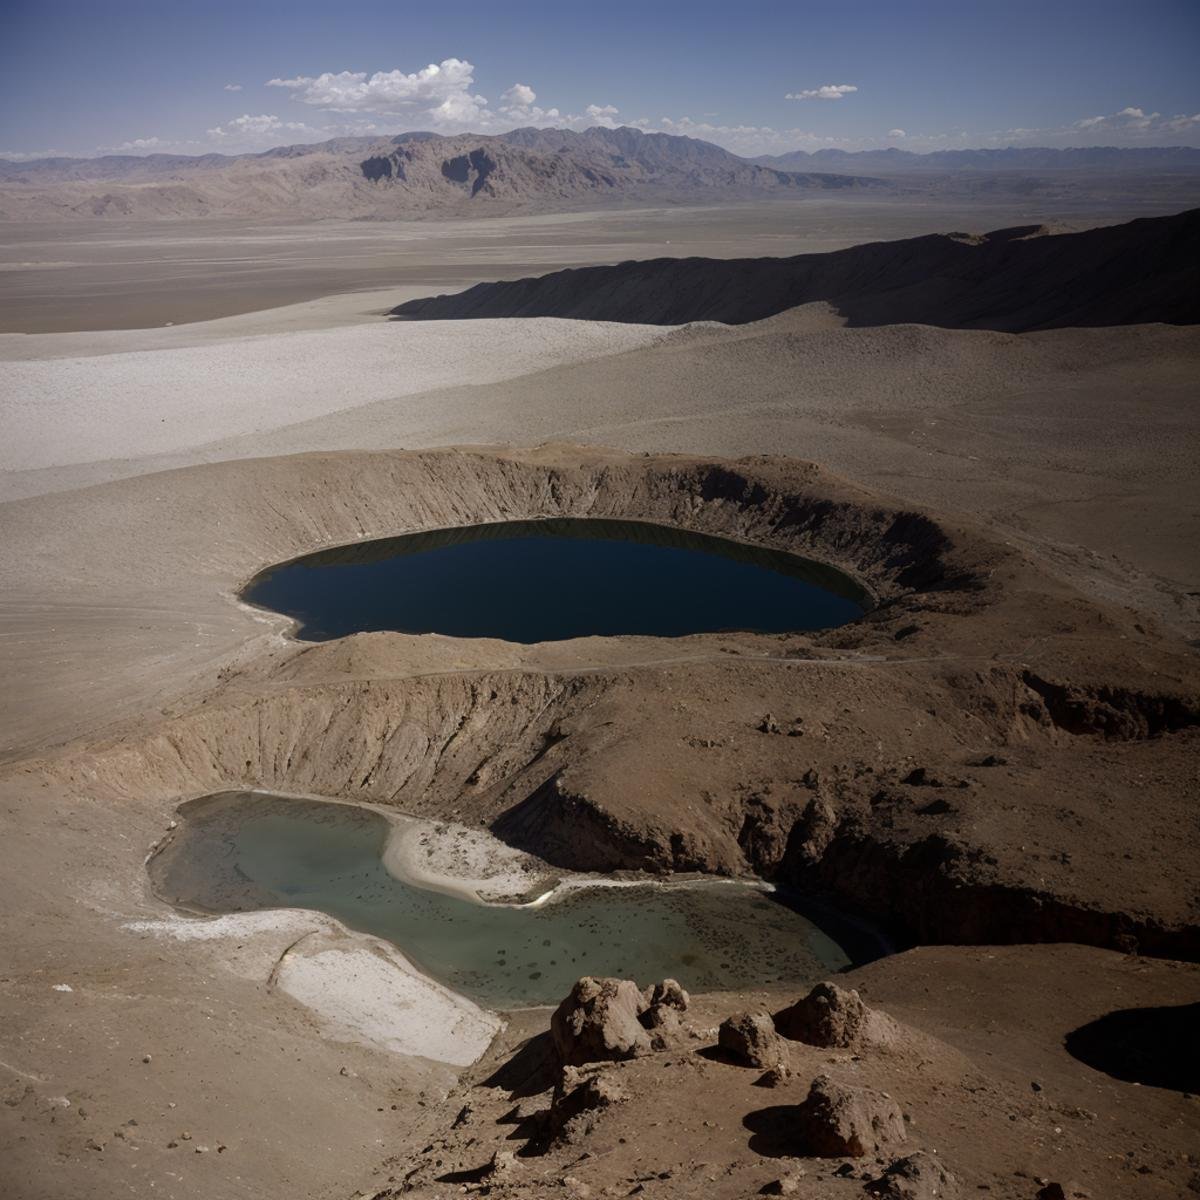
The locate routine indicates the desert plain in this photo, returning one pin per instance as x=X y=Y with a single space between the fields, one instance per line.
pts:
x=993 y=773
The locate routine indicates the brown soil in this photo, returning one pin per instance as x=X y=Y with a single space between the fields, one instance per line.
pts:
x=977 y=1065
x=961 y=773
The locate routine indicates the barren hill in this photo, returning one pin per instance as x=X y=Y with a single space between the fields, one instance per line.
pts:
x=1011 y=280
x=526 y=170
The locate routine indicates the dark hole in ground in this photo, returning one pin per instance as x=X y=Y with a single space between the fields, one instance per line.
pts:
x=1157 y=1047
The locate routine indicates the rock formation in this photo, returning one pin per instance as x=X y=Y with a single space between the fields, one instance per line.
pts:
x=751 y=1038
x=831 y=1016
x=919 y=1176
x=608 y=1020
x=838 y=1120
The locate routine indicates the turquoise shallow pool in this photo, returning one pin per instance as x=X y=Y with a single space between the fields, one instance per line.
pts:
x=239 y=851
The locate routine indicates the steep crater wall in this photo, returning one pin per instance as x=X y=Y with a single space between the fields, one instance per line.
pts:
x=605 y=768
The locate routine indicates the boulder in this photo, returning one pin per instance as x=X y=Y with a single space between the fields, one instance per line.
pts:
x=662 y=1023
x=599 y=1022
x=751 y=1039
x=504 y=1165
x=579 y=1098
x=829 y=1016
x=839 y=1120
x=785 y=1185
x=919 y=1176
x=774 y=1076
x=669 y=994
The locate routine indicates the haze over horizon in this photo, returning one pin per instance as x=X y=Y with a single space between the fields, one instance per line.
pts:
x=139 y=78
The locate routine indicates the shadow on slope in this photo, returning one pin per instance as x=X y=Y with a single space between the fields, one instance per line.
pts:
x=1157 y=1047
x=1011 y=280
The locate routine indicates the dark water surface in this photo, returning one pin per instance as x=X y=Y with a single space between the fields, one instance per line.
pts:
x=242 y=851
x=542 y=581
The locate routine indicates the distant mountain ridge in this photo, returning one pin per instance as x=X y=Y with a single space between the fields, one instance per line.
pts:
x=1011 y=158
x=527 y=169
x=1013 y=280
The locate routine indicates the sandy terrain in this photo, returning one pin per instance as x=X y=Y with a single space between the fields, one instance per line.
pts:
x=89 y=275
x=1024 y=505
x=70 y=410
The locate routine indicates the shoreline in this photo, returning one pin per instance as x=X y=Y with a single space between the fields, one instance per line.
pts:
x=366 y=989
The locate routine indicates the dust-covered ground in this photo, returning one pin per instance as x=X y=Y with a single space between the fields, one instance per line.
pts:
x=1003 y=753
x=112 y=274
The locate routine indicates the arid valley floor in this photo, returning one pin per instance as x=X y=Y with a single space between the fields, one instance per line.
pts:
x=997 y=767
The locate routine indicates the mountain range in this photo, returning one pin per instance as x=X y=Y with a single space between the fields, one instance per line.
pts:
x=414 y=173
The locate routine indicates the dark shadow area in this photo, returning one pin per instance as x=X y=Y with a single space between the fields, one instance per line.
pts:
x=532 y=1069
x=1156 y=1047
x=474 y=1175
x=717 y=1054
x=773 y=1131
x=860 y=940
x=1012 y=280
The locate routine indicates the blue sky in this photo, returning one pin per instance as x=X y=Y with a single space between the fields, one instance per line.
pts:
x=165 y=75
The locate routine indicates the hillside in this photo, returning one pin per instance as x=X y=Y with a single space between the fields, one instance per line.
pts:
x=1011 y=280
x=526 y=170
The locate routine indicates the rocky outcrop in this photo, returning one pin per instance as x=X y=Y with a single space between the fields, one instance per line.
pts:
x=830 y=1016
x=598 y=1022
x=667 y=994
x=609 y=1020
x=919 y=1176
x=838 y=1120
x=580 y=1097
x=750 y=1038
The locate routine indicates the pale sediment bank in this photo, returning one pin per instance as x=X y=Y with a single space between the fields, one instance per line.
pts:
x=475 y=865
x=361 y=989
x=472 y=864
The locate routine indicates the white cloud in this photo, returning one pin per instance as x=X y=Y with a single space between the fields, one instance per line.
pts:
x=233 y=87
x=1137 y=122
x=829 y=91
x=518 y=107
x=897 y=133
x=748 y=140
x=597 y=114
x=256 y=129
x=136 y=146
x=520 y=95
x=439 y=95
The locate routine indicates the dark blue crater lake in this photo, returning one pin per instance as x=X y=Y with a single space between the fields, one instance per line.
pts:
x=547 y=580
x=239 y=851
